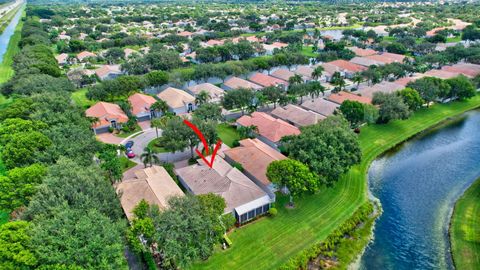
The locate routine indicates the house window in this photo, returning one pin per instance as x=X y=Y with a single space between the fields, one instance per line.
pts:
x=258 y=211
x=251 y=214
x=266 y=207
x=113 y=123
x=243 y=218
x=190 y=107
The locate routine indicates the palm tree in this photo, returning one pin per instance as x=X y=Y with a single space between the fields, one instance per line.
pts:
x=247 y=132
x=314 y=89
x=149 y=157
x=295 y=79
x=317 y=72
x=159 y=106
x=160 y=123
x=202 y=97
x=357 y=78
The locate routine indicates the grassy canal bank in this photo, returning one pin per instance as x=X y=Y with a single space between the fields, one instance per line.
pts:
x=465 y=229
x=276 y=240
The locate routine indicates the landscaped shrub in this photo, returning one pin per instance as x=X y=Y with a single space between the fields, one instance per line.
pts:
x=273 y=211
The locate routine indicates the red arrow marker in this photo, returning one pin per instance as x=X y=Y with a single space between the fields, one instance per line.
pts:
x=205 y=145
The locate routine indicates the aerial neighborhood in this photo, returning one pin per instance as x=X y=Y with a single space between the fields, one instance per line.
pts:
x=216 y=135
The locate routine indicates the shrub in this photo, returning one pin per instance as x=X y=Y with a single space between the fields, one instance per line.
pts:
x=273 y=211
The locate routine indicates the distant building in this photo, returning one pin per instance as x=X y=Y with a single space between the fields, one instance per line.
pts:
x=107 y=115
x=140 y=104
x=108 y=72
x=179 y=101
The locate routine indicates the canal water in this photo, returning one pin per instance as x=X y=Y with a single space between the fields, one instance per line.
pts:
x=8 y=32
x=417 y=185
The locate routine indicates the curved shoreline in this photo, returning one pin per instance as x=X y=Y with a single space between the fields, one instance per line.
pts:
x=465 y=196
x=354 y=264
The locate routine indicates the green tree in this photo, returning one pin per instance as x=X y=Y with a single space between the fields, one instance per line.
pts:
x=160 y=106
x=149 y=157
x=202 y=97
x=294 y=175
x=209 y=111
x=412 y=98
x=238 y=99
x=430 y=88
x=15 y=243
x=461 y=88
x=184 y=233
x=317 y=72
x=353 y=111
x=328 y=148
x=156 y=78
x=391 y=107
x=19 y=185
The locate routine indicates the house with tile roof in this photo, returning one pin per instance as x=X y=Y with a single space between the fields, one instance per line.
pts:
x=140 y=104
x=107 y=115
x=441 y=74
x=62 y=59
x=362 y=52
x=270 y=48
x=387 y=58
x=321 y=106
x=366 y=62
x=341 y=96
x=466 y=69
x=296 y=115
x=244 y=199
x=84 y=55
x=178 y=101
x=152 y=184
x=215 y=92
x=266 y=80
x=108 y=72
x=282 y=74
x=237 y=83
x=305 y=72
x=346 y=68
x=255 y=156
x=269 y=129
x=384 y=87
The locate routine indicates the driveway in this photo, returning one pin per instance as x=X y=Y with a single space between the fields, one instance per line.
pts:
x=109 y=138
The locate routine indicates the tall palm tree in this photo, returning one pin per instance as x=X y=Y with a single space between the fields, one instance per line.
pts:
x=314 y=89
x=149 y=157
x=295 y=79
x=160 y=123
x=357 y=78
x=159 y=106
x=202 y=97
x=317 y=72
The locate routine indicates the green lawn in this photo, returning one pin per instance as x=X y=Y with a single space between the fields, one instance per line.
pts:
x=80 y=98
x=126 y=163
x=454 y=39
x=228 y=134
x=6 y=71
x=158 y=149
x=465 y=229
x=126 y=134
x=269 y=243
x=307 y=51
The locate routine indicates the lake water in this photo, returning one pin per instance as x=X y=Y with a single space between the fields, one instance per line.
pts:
x=8 y=32
x=418 y=184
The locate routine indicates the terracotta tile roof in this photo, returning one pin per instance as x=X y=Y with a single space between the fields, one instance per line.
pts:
x=175 y=98
x=223 y=180
x=469 y=70
x=362 y=52
x=405 y=80
x=297 y=116
x=387 y=58
x=152 y=184
x=321 y=106
x=342 y=65
x=213 y=42
x=236 y=83
x=185 y=34
x=266 y=80
x=141 y=103
x=105 y=70
x=384 y=87
x=61 y=58
x=366 y=62
x=105 y=112
x=283 y=74
x=268 y=127
x=215 y=92
x=254 y=156
x=128 y=52
x=84 y=55
x=340 y=97
x=304 y=71
x=441 y=74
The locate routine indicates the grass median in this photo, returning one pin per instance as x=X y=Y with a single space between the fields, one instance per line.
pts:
x=270 y=242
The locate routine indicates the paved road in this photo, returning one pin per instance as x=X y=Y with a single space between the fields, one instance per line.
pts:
x=141 y=141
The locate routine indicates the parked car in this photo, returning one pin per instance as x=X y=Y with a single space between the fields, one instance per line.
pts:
x=130 y=153
x=129 y=144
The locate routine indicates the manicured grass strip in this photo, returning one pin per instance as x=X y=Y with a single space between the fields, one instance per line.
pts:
x=80 y=98
x=228 y=134
x=307 y=51
x=126 y=164
x=6 y=70
x=157 y=149
x=269 y=243
x=465 y=229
